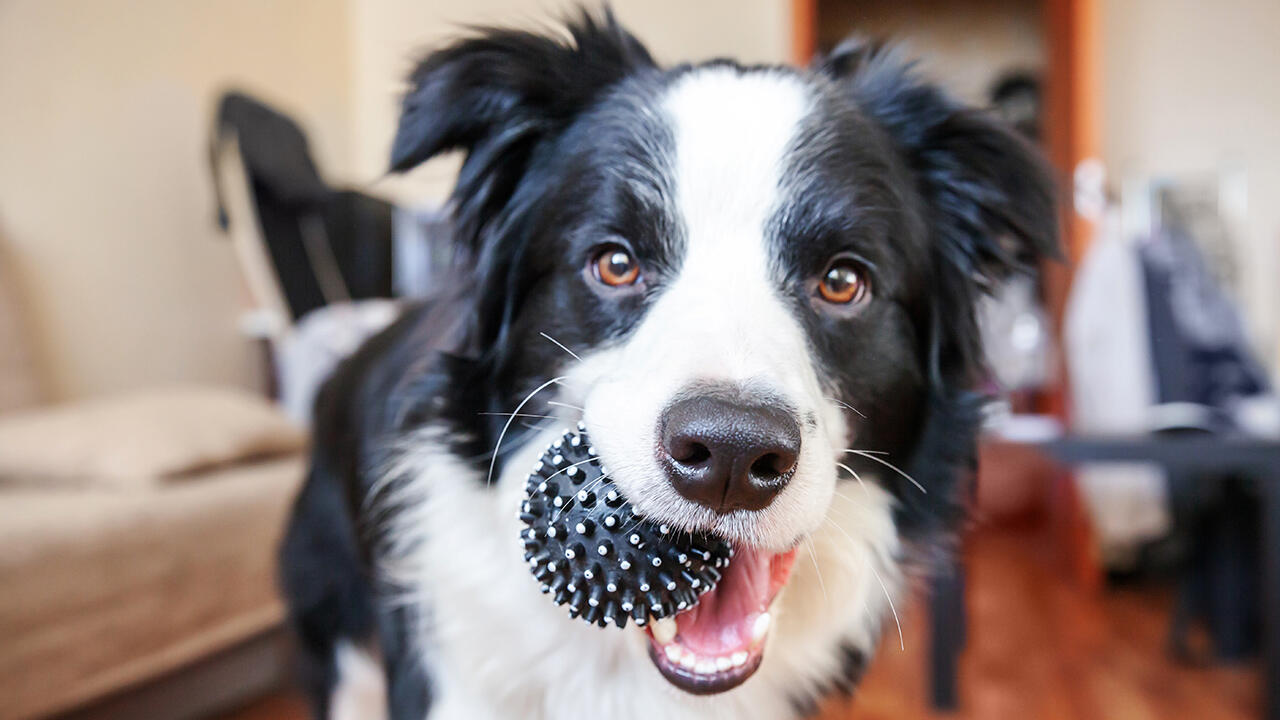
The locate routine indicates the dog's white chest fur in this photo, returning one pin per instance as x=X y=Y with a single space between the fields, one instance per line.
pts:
x=496 y=648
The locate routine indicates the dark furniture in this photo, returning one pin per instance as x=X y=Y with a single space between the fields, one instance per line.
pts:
x=1256 y=460
x=325 y=244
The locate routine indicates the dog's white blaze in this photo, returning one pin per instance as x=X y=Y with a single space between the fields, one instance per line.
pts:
x=360 y=692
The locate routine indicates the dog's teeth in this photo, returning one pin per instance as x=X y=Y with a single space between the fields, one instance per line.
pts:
x=664 y=630
x=739 y=658
x=760 y=627
x=705 y=667
x=673 y=653
x=723 y=663
x=688 y=661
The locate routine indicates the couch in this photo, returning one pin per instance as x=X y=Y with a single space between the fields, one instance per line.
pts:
x=137 y=541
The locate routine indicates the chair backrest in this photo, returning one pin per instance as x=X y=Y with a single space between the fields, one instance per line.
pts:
x=319 y=245
x=270 y=316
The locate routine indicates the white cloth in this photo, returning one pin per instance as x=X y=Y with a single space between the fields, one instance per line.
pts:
x=1113 y=388
x=324 y=337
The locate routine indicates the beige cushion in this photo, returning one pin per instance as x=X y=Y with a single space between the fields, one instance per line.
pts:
x=139 y=439
x=101 y=590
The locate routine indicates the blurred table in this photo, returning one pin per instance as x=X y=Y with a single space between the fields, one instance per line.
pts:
x=1256 y=459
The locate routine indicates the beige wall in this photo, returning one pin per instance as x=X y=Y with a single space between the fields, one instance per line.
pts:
x=1189 y=89
x=390 y=35
x=105 y=201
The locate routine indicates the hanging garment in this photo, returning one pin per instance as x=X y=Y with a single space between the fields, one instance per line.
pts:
x=1113 y=387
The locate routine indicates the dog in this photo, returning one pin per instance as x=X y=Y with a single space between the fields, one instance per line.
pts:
x=754 y=285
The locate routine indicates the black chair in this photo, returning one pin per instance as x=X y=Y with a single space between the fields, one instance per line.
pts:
x=319 y=244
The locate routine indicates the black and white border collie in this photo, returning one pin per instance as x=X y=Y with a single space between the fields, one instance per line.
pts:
x=756 y=287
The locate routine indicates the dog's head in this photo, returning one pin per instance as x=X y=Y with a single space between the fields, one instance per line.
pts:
x=763 y=281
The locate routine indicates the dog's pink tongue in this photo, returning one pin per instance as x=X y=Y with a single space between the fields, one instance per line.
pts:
x=723 y=619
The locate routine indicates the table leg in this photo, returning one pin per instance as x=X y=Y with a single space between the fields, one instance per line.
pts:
x=947 y=627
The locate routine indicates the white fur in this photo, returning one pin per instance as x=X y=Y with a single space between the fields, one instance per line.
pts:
x=361 y=691
x=496 y=648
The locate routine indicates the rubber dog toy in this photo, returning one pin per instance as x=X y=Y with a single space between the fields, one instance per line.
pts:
x=590 y=551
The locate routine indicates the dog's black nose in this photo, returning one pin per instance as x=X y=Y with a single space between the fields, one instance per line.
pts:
x=726 y=454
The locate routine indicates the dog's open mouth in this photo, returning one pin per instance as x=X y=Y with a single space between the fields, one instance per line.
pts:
x=717 y=644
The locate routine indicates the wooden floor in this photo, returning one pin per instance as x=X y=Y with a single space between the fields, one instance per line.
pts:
x=1038 y=650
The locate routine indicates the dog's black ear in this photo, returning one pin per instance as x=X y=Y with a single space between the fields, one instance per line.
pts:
x=989 y=197
x=496 y=94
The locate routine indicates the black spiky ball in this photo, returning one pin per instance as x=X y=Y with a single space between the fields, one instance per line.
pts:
x=592 y=553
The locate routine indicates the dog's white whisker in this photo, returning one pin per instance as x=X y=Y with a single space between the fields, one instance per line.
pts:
x=566 y=467
x=902 y=643
x=870 y=566
x=872 y=455
x=844 y=404
x=590 y=486
x=494 y=460
x=565 y=405
x=842 y=496
x=561 y=346
x=522 y=415
x=808 y=543
x=856 y=476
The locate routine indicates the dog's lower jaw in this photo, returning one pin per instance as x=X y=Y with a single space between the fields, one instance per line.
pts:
x=496 y=647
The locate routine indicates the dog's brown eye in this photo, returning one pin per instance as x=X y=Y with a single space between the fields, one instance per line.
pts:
x=842 y=283
x=614 y=266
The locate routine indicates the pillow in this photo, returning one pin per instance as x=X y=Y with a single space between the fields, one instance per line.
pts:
x=140 y=439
